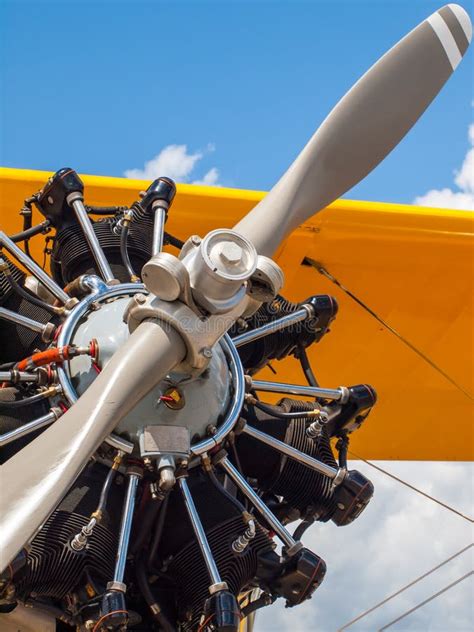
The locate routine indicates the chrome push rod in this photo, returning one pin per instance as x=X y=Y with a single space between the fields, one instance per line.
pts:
x=75 y=201
x=15 y=376
x=337 y=394
x=217 y=583
x=35 y=270
x=276 y=325
x=134 y=475
x=46 y=330
x=293 y=453
x=158 y=229
x=293 y=545
x=117 y=442
x=31 y=426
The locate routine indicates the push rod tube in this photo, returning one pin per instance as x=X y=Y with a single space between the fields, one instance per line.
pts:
x=201 y=537
x=15 y=376
x=337 y=394
x=31 y=426
x=125 y=528
x=75 y=201
x=301 y=457
x=158 y=229
x=269 y=328
x=35 y=270
x=46 y=330
x=293 y=545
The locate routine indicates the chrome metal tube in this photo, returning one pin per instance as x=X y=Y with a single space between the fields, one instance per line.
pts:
x=233 y=413
x=18 y=376
x=295 y=389
x=31 y=426
x=258 y=503
x=293 y=453
x=34 y=268
x=99 y=292
x=126 y=527
x=291 y=319
x=116 y=441
x=158 y=230
x=199 y=532
x=24 y=321
x=91 y=238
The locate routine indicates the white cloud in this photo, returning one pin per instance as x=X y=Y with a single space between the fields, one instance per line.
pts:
x=210 y=179
x=449 y=198
x=398 y=537
x=177 y=163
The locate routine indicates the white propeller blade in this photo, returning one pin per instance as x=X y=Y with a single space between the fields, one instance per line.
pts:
x=368 y=122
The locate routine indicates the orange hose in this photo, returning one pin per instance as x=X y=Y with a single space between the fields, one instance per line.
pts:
x=55 y=354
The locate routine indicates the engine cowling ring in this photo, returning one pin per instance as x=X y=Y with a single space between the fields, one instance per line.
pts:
x=101 y=293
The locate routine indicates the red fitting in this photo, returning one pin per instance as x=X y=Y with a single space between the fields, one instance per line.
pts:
x=94 y=350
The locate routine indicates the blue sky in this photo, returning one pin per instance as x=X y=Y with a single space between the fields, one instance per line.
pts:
x=105 y=86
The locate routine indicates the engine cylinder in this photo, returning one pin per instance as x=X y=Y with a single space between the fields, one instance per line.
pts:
x=302 y=488
x=53 y=568
x=183 y=560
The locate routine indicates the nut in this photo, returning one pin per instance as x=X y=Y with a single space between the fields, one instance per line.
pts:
x=231 y=253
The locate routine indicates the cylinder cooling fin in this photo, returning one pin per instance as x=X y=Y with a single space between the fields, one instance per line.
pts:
x=53 y=569
x=71 y=258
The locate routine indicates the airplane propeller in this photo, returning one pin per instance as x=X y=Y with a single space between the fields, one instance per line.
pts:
x=363 y=128
x=360 y=131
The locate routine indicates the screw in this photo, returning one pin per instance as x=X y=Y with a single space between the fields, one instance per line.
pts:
x=242 y=323
x=211 y=430
x=196 y=240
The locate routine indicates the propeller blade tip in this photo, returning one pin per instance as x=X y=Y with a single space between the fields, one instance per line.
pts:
x=452 y=25
x=463 y=18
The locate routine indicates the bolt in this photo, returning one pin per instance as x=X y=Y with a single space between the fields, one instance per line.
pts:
x=207 y=353
x=148 y=463
x=196 y=240
x=231 y=253
x=140 y=299
x=154 y=491
x=211 y=430
x=172 y=398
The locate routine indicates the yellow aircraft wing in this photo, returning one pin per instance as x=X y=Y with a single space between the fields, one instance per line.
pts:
x=403 y=278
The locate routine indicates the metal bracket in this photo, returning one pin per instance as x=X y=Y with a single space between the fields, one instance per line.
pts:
x=159 y=440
